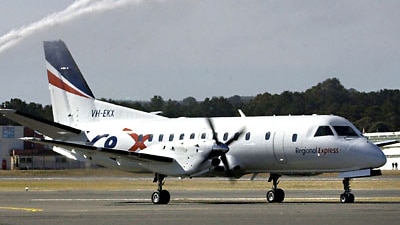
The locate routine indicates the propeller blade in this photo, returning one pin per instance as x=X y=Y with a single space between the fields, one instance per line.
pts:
x=235 y=137
x=229 y=172
x=225 y=162
x=211 y=125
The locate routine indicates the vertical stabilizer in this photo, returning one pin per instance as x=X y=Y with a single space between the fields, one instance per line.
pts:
x=72 y=100
x=62 y=70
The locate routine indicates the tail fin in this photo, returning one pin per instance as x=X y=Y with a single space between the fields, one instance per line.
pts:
x=72 y=100
x=62 y=70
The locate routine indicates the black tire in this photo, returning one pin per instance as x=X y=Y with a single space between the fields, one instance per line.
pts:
x=351 y=198
x=165 y=197
x=162 y=197
x=347 y=198
x=279 y=195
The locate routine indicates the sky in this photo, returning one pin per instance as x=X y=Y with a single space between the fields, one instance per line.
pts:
x=134 y=50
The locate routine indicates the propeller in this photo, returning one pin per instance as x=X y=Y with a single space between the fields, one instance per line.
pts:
x=219 y=149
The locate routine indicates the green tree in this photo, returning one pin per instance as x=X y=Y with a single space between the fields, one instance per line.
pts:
x=156 y=104
x=371 y=111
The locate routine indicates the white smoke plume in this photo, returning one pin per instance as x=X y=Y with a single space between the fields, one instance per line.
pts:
x=73 y=11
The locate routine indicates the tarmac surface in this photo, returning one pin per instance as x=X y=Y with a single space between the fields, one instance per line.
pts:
x=197 y=207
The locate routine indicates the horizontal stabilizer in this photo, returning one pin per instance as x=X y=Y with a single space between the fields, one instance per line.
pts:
x=43 y=126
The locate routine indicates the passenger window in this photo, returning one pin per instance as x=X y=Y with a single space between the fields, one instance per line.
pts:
x=236 y=137
x=140 y=138
x=203 y=136
x=247 y=137
x=192 y=136
x=323 y=131
x=345 y=131
x=150 y=138
x=267 y=136
x=181 y=136
x=171 y=137
x=161 y=137
x=225 y=136
x=294 y=137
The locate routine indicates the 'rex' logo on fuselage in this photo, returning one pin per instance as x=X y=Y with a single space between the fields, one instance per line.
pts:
x=111 y=141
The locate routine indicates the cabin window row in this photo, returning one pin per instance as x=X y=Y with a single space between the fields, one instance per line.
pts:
x=204 y=136
x=225 y=137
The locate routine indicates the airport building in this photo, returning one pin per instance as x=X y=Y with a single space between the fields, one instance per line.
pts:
x=18 y=154
x=9 y=140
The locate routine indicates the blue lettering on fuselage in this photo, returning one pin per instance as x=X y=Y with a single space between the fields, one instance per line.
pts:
x=110 y=142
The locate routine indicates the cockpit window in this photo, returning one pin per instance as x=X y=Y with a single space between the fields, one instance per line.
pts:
x=345 y=131
x=323 y=131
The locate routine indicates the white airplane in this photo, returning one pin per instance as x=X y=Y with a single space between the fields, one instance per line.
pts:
x=124 y=138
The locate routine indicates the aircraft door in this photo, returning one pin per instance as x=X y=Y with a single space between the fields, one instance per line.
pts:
x=279 y=147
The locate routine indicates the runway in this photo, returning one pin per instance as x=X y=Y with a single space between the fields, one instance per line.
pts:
x=197 y=207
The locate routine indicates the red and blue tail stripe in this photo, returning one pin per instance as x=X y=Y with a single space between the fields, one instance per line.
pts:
x=62 y=70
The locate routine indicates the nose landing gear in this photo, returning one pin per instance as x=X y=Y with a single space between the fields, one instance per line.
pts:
x=347 y=196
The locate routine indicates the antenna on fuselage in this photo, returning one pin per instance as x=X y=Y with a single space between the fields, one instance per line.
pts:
x=241 y=113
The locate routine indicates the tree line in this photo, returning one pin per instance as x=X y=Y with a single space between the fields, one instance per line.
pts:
x=372 y=111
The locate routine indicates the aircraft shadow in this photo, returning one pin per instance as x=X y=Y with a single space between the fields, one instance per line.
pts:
x=257 y=202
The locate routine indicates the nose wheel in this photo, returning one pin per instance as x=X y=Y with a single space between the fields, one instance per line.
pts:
x=160 y=196
x=275 y=194
x=347 y=196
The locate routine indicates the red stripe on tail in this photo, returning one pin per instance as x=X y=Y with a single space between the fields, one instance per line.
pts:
x=55 y=81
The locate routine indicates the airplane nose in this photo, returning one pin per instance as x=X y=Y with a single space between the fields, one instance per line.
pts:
x=373 y=155
x=367 y=154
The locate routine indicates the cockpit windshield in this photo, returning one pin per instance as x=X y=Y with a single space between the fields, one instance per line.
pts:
x=323 y=131
x=345 y=131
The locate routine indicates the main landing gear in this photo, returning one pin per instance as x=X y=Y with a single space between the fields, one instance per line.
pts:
x=160 y=196
x=275 y=194
x=347 y=196
x=278 y=195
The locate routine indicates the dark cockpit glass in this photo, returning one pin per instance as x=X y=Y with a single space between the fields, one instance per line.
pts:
x=323 y=131
x=345 y=131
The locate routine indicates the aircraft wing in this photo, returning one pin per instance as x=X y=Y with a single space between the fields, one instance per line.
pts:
x=59 y=132
x=45 y=127
x=90 y=150
x=384 y=143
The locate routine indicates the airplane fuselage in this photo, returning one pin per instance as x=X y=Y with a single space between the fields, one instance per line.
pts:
x=273 y=144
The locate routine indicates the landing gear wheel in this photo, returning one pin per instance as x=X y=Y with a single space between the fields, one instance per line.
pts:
x=156 y=198
x=271 y=196
x=347 y=198
x=165 y=197
x=277 y=195
x=162 y=197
